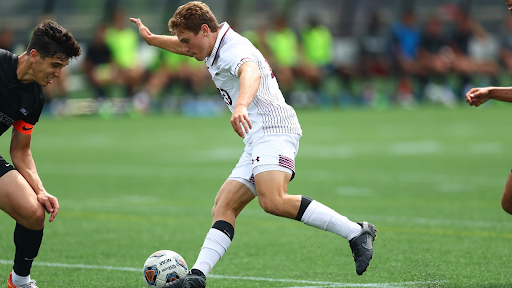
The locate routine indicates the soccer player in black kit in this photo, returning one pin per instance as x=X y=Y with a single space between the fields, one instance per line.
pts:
x=22 y=194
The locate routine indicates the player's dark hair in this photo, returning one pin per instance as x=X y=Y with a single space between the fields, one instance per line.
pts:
x=191 y=17
x=50 y=40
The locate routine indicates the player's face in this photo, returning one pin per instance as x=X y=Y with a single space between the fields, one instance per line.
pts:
x=45 y=70
x=196 y=44
x=509 y=4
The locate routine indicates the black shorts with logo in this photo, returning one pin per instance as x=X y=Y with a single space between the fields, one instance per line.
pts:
x=5 y=166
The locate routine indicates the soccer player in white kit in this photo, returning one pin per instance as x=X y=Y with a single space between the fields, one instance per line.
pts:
x=271 y=133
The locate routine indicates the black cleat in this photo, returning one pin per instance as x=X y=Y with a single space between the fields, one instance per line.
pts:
x=362 y=246
x=194 y=279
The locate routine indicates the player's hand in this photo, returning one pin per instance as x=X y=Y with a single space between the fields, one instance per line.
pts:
x=477 y=96
x=143 y=30
x=50 y=204
x=239 y=119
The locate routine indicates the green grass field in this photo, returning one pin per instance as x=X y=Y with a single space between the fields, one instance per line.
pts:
x=431 y=181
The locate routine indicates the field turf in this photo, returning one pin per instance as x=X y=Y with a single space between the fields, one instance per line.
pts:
x=430 y=179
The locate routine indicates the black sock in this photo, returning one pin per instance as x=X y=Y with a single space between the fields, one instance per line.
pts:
x=304 y=203
x=225 y=227
x=27 y=244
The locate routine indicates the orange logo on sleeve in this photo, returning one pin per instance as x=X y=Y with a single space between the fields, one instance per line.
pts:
x=23 y=127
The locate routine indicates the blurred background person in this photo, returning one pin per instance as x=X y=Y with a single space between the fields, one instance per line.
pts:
x=98 y=66
x=407 y=37
x=123 y=42
x=317 y=47
x=6 y=39
x=376 y=69
x=436 y=60
x=475 y=52
x=283 y=44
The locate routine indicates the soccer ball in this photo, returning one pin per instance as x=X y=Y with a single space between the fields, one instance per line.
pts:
x=163 y=266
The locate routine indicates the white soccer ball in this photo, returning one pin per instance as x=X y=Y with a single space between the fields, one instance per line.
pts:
x=163 y=266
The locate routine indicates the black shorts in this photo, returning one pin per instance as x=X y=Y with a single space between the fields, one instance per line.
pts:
x=5 y=166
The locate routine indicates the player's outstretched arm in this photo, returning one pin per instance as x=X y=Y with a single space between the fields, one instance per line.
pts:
x=478 y=96
x=170 y=43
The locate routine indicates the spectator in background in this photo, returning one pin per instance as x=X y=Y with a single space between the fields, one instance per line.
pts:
x=317 y=45
x=376 y=62
x=172 y=69
x=257 y=38
x=469 y=42
x=436 y=59
x=123 y=42
x=283 y=46
x=98 y=65
x=374 y=48
x=407 y=38
x=6 y=35
x=434 y=50
x=506 y=46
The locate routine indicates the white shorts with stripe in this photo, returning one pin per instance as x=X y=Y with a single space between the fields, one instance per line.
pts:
x=266 y=153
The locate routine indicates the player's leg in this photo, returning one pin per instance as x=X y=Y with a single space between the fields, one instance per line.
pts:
x=19 y=201
x=506 y=200
x=273 y=171
x=233 y=196
x=236 y=192
x=273 y=197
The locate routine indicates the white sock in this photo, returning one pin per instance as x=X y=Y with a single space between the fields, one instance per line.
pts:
x=215 y=245
x=320 y=216
x=19 y=280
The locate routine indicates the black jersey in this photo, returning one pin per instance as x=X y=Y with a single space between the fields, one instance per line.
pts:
x=18 y=101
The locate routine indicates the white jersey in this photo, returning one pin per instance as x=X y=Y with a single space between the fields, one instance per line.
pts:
x=268 y=111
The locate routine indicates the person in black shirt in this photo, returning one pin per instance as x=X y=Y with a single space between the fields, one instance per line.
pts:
x=22 y=194
x=98 y=65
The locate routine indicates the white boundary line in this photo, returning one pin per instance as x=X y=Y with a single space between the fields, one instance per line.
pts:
x=317 y=284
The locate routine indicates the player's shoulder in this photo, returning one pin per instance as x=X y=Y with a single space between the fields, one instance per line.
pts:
x=6 y=56
x=236 y=44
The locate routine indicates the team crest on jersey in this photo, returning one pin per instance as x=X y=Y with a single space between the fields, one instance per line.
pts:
x=150 y=274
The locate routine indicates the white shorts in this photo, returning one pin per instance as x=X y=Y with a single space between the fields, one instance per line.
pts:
x=266 y=153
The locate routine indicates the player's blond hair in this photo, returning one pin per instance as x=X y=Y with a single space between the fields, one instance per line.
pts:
x=191 y=17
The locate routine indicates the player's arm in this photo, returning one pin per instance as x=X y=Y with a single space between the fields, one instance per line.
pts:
x=250 y=79
x=478 y=96
x=170 y=43
x=21 y=156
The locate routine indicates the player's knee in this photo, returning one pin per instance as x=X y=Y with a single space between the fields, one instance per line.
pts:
x=270 y=206
x=34 y=219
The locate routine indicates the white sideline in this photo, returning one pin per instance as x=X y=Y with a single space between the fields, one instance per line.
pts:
x=318 y=284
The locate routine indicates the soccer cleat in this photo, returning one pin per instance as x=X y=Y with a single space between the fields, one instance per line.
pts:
x=362 y=246
x=194 y=279
x=30 y=284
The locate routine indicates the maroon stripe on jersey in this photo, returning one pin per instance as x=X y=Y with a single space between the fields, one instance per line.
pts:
x=252 y=179
x=220 y=43
x=277 y=116
x=242 y=62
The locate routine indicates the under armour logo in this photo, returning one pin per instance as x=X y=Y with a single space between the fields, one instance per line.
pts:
x=257 y=159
